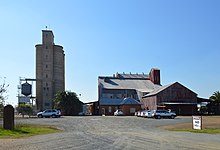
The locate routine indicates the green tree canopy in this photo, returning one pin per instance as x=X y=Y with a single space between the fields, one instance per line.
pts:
x=68 y=103
x=215 y=97
x=25 y=109
x=214 y=105
x=3 y=97
x=3 y=90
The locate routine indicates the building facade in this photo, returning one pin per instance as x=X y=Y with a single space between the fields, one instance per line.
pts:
x=175 y=96
x=113 y=90
x=50 y=70
x=146 y=89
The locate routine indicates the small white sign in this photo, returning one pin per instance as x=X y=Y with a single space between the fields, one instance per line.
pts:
x=23 y=99
x=197 y=122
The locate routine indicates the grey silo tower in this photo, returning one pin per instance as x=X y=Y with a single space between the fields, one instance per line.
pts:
x=50 y=70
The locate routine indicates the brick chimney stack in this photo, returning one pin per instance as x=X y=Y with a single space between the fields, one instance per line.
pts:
x=155 y=76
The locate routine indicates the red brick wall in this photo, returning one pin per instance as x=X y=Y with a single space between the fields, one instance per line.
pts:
x=105 y=110
x=155 y=76
x=126 y=109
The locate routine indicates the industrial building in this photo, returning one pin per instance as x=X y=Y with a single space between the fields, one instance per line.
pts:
x=50 y=70
x=147 y=90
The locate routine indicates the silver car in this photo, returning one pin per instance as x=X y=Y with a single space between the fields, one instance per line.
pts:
x=49 y=113
x=164 y=114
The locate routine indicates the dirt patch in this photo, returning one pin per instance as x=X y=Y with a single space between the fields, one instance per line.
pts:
x=207 y=122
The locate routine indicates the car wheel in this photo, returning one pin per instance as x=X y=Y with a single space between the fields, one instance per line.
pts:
x=40 y=116
x=158 y=117
x=53 y=116
x=172 y=117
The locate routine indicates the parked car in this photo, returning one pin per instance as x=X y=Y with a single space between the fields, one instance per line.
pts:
x=164 y=114
x=147 y=113
x=49 y=113
x=151 y=113
x=118 y=113
x=139 y=113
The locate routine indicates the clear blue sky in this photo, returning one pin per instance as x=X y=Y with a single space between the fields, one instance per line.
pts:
x=182 y=38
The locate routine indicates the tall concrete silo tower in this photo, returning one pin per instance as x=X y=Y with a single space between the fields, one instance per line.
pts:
x=50 y=70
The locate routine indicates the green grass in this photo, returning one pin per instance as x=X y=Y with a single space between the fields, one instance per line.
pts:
x=208 y=131
x=27 y=130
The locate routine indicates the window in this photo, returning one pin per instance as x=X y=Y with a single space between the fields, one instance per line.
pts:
x=109 y=109
x=132 y=110
x=46 y=76
x=46 y=47
x=46 y=84
x=46 y=66
x=47 y=88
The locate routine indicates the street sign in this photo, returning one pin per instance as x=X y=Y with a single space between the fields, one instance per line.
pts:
x=197 y=122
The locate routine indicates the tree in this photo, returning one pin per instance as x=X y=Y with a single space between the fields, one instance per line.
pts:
x=3 y=91
x=25 y=109
x=215 y=97
x=68 y=103
x=213 y=106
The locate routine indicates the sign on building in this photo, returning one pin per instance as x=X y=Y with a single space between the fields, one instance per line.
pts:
x=197 y=122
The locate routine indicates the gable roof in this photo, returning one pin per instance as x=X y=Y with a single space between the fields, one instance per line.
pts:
x=129 y=101
x=118 y=101
x=162 y=88
x=110 y=101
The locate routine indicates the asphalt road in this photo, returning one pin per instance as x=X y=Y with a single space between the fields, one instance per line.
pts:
x=114 y=133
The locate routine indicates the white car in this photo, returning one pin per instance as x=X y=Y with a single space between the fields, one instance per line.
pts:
x=147 y=113
x=139 y=113
x=49 y=113
x=118 y=113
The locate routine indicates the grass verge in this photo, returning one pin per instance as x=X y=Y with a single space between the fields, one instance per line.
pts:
x=208 y=131
x=27 y=130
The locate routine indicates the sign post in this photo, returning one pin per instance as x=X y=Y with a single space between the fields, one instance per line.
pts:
x=197 y=122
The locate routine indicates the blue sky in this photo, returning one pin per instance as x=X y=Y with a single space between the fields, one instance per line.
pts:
x=182 y=38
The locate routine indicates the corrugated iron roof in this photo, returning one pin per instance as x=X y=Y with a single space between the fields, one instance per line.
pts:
x=158 y=90
x=110 y=101
x=134 y=76
x=161 y=88
x=136 y=84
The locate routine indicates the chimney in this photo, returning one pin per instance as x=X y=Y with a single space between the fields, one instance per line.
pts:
x=155 y=76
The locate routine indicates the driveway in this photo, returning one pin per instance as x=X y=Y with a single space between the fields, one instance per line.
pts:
x=97 y=132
